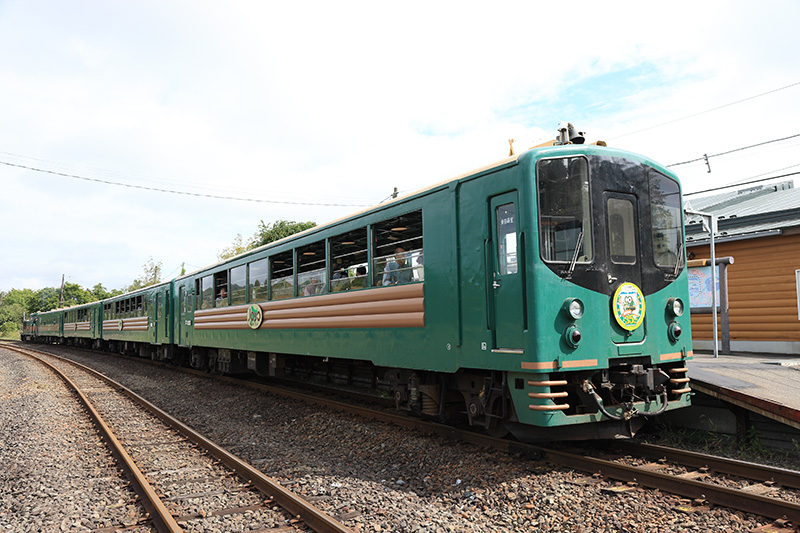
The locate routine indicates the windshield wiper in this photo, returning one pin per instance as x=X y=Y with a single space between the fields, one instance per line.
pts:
x=678 y=262
x=575 y=256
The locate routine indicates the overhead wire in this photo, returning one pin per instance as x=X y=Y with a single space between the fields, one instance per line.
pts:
x=171 y=191
x=707 y=111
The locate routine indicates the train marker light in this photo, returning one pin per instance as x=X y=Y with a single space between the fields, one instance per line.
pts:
x=674 y=331
x=675 y=306
x=573 y=307
x=572 y=335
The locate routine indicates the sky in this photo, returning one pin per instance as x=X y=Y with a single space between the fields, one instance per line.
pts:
x=313 y=110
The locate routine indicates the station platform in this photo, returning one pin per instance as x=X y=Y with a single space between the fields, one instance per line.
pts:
x=765 y=384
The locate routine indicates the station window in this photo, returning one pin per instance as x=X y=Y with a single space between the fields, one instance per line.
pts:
x=349 y=264
x=238 y=285
x=258 y=281
x=398 y=255
x=311 y=272
x=563 y=188
x=221 y=289
x=281 y=279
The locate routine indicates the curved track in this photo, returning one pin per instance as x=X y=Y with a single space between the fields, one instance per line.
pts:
x=87 y=382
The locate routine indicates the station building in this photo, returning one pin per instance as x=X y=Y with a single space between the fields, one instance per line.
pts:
x=759 y=227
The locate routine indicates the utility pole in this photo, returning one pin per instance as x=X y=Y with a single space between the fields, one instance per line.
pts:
x=61 y=296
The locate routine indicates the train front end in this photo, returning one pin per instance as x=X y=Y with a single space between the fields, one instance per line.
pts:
x=609 y=290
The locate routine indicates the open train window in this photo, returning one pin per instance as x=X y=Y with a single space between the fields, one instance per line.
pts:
x=281 y=279
x=665 y=212
x=311 y=272
x=564 y=217
x=397 y=250
x=259 y=290
x=239 y=285
x=221 y=289
x=205 y=291
x=348 y=264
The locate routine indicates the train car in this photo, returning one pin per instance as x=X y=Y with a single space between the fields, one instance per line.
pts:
x=139 y=322
x=29 y=328
x=49 y=326
x=543 y=294
x=82 y=324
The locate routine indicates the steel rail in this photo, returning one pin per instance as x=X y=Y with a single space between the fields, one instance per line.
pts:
x=726 y=497
x=313 y=517
x=730 y=498
x=722 y=465
x=162 y=518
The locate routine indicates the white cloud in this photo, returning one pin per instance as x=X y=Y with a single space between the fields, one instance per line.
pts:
x=340 y=103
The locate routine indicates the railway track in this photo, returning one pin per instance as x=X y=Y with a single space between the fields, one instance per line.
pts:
x=703 y=479
x=182 y=478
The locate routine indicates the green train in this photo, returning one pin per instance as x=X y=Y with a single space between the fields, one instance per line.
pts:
x=543 y=294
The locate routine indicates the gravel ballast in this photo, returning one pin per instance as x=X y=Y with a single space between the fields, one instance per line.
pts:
x=378 y=477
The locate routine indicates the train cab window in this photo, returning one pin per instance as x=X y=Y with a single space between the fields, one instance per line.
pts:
x=397 y=250
x=564 y=218
x=665 y=212
x=205 y=291
x=238 y=285
x=259 y=290
x=348 y=262
x=311 y=271
x=221 y=289
x=621 y=231
x=281 y=279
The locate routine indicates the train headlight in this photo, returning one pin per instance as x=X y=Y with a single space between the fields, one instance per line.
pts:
x=674 y=331
x=572 y=335
x=573 y=307
x=675 y=306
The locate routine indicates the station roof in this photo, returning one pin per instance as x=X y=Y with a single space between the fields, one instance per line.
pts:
x=747 y=213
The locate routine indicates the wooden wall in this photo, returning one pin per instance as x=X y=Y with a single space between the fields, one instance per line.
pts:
x=761 y=288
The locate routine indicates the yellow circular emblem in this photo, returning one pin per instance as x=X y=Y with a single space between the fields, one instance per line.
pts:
x=628 y=306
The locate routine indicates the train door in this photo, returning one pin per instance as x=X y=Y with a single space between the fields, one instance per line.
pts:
x=156 y=327
x=163 y=311
x=186 y=315
x=506 y=288
x=624 y=267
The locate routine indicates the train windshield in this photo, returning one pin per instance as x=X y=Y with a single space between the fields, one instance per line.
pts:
x=564 y=217
x=665 y=199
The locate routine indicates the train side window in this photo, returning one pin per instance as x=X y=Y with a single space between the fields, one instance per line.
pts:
x=621 y=231
x=259 y=290
x=281 y=279
x=312 y=277
x=563 y=190
x=665 y=201
x=397 y=250
x=205 y=289
x=348 y=261
x=238 y=285
x=221 y=289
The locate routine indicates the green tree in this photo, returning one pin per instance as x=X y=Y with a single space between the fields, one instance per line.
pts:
x=101 y=293
x=265 y=234
x=276 y=231
x=150 y=276
x=237 y=247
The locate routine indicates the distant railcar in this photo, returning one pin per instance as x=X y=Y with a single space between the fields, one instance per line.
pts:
x=543 y=294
